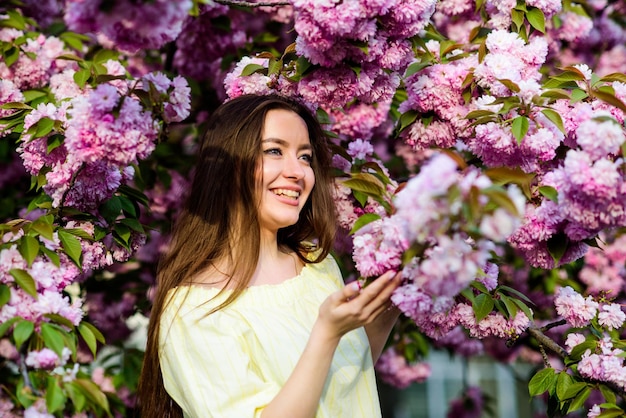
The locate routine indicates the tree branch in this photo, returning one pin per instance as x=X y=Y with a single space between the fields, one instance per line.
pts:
x=252 y=4
x=553 y=325
x=547 y=342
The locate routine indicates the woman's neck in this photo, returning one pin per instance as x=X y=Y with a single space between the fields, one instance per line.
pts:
x=276 y=263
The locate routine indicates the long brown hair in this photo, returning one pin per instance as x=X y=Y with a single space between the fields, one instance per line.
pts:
x=222 y=205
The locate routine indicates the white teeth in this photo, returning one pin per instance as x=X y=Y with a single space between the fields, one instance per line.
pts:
x=287 y=192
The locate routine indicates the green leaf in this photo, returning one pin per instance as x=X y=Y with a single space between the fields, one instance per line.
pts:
x=506 y=175
x=43 y=127
x=608 y=394
x=537 y=19
x=251 y=69
x=557 y=245
x=515 y=292
x=95 y=331
x=122 y=235
x=74 y=40
x=556 y=94
x=56 y=318
x=580 y=349
x=52 y=256
x=610 y=99
x=550 y=193
x=104 y=55
x=475 y=114
x=468 y=293
x=573 y=390
x=25 y=281
x=522 y=306
x=364 y=186
x=555 y=118
x=71 y=246
x=479 y=286
x=4 y=327
x=578 y=95
x=76 y=395
x=501 y=199
x=81 y=77
x=542 y=381
x=519 y=128
x=128 y=206
x=511 y=307
x=22 y=332
x=517 y=17
x=416 y=67
x=133 y=224
x=563 y=382
x=510 y=85
x=364 y=220
x=407 y=118
x=89 y=338
x=11 y=56
x=579 y=401
x=612 y=413
x=16 y=105
x=30 y=95
x=55 y=398
x=93 y=393
x=29 y=248
x=614 y=77
x=44 y=228
x=482 y=305
x=275 y=66
x=53 y=338
x=5 y=295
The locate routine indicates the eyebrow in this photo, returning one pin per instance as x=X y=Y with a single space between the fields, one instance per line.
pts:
x=285 y=143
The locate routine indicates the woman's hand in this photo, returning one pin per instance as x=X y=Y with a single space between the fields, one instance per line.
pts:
x=353 y=307
x=343 y=311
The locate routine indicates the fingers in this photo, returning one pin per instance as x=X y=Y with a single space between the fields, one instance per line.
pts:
x=375 y=297
x=351 y=290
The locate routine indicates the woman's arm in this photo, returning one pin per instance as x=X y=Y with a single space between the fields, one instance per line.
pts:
x=343 y=311
x=379 y=330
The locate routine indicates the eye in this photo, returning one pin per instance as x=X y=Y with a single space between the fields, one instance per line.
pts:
x=273 y=151
x=308 y=158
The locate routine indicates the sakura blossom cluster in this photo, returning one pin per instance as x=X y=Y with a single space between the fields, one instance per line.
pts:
x=510 y=58
x=605 y=364
x=331 y=32
x=589 y=181
x=604 y=271
x=37 y=59
x=579 y=311
x=447 y=259
x=393 y=369
x=50 y=280
x=106 y=129
x=348 y=208
x=437 y=91
x=128 y=25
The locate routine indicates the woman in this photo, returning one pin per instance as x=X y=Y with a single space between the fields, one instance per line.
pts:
x=250 y=318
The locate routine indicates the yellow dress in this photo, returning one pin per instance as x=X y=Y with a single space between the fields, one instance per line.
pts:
x=233 y=362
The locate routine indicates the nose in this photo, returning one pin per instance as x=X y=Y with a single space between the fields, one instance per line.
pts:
x=293 y=168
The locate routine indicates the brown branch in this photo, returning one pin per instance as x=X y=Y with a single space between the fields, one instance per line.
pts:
x=547 y=342
x=553 y=325
x=252 y=4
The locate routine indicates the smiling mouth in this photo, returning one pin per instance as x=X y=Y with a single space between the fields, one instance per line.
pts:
x=291 y=194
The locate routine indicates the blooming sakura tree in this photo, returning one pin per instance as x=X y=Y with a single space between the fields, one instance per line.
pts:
x=479 y=149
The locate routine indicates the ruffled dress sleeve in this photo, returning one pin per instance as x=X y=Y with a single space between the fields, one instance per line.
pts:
x=207 y=361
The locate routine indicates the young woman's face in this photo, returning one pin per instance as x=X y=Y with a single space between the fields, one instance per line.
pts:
x=287 y=175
